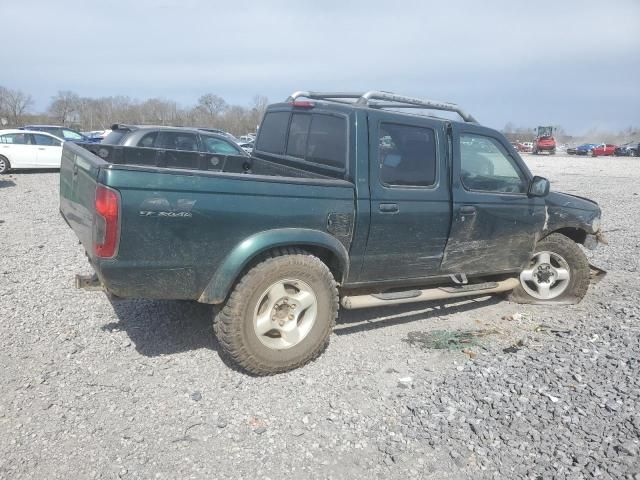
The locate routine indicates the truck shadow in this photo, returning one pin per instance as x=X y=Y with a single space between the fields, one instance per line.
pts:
x=166 y=327
x=161 y=327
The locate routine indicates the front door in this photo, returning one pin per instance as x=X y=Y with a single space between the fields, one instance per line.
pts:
x=495 y=223
x=410 y=209
x=49 y=150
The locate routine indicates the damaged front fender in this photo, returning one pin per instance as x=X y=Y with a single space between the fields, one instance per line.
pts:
x=591 y=241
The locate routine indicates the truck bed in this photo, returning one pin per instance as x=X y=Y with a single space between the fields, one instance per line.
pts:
x=185 y=160
x=183 y=213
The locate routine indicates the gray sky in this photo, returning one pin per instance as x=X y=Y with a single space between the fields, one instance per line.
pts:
x=570 y=63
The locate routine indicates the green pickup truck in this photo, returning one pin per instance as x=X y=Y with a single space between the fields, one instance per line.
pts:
x=352 y=199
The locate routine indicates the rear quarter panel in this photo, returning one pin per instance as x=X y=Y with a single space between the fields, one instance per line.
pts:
x=178 y=228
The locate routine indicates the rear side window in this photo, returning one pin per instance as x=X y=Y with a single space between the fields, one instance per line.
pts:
x=177 y=141
x=327 y=143
x=273 y=132
x=407 y=155
x=148 y=140
x=14 y=139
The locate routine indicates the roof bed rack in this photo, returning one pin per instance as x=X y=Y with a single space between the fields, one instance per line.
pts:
x=375 y=99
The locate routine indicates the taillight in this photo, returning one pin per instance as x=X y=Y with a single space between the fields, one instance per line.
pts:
x=303 y=104
x=106 y=225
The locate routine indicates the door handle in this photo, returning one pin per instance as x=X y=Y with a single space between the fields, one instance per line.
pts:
x=40 y=148
x=468 y=210
x=389 y=208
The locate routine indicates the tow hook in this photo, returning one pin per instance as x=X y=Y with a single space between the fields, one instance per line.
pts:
x=88 y=282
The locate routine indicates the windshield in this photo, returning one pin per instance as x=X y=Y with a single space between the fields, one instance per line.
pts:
x=545 y=131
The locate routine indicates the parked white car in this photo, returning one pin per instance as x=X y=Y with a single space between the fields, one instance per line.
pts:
x=29 y=149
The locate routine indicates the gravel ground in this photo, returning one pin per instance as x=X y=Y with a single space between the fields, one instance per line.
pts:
x=136 y=389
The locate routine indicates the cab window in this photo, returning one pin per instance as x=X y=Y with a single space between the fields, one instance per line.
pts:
x=407 y=155
x=486 y=166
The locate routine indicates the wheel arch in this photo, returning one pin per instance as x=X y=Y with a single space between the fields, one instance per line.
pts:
x=577 y=234
x=252 y=250
x=8 y=162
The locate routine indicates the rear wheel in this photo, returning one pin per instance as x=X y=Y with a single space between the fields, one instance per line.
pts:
x=280 y=315
x=558 y=272
x=632 y=153
x=5 y=166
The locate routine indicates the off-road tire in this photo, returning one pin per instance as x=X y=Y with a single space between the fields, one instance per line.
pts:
x=578 y=268
x=5 y=166
x=233 y=325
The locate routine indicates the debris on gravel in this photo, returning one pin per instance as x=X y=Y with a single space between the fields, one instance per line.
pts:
x=478 y=388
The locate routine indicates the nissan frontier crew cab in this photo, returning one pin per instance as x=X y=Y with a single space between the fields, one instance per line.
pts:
x=348 y=199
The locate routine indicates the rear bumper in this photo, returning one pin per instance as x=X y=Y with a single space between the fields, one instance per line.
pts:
x=123 y=280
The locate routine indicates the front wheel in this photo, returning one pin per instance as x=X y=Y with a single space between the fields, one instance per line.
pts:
x=592 y=153
x=558 y=272
x=5 y=166
x=280 y=315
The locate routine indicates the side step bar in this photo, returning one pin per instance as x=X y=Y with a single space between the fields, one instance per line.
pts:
x=438 y=293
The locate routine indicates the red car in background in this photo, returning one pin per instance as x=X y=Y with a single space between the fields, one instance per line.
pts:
x=603 y=150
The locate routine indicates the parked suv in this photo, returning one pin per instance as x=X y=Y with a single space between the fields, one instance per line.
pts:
x=172 y=138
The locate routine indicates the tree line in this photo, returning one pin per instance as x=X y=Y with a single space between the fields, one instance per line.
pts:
x=87 y=114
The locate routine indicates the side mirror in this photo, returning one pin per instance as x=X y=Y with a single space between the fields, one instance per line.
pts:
x=539 y=187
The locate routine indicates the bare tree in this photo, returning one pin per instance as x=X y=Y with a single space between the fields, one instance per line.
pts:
x=63 y=105
x=15 y=103
x=258 y=107
x=212 y=105
x=3 y=108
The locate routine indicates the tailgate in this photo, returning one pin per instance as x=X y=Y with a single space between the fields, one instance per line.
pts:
x=78 y=178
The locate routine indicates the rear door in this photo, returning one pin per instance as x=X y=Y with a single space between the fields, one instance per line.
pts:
x=49 y=150
x=410 y=204
x=495 y=223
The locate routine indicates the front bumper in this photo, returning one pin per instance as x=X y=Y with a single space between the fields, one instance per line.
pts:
x=592 y=240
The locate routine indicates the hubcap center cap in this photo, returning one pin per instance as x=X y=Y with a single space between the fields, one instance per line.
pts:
x=282 y=311
x=545 y=273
